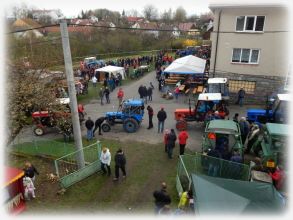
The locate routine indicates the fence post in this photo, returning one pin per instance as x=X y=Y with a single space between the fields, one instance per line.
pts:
x=56 y=168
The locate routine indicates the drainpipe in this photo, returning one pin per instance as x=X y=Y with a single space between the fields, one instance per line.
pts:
x=216 y=52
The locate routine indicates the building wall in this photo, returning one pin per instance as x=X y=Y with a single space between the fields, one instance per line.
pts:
x=270 y=72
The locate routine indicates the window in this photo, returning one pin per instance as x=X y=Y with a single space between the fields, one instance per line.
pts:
x=250 y=23
x=250 y=56
x=248 y=86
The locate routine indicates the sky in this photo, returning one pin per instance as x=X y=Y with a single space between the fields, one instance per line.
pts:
x=71 y=8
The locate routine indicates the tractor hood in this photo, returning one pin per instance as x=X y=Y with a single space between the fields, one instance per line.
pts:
x=257 y=111
x=113 y=114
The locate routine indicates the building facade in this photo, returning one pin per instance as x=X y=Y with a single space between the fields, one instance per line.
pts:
x=250 y=48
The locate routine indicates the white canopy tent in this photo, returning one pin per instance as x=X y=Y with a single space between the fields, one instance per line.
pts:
x=112 y=69
x=187 y=65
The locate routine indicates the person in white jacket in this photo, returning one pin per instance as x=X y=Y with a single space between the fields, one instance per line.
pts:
x=105 y=161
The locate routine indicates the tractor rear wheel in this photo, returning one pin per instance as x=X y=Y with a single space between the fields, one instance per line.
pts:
x=106 y=127
x=181 y=125
x=130 y=125
x=39 y=131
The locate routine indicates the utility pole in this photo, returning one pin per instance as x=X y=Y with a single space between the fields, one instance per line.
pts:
x=72 y=93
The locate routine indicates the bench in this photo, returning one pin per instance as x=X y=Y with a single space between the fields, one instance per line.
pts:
x=194 y=91
x=199 y=89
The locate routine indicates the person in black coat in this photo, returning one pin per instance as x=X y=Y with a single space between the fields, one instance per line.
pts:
x=30 y=171
x=150 y=93
x=120 y=162
x=140 y=91
x=171 y=139
x=107 y=93
x=161 y=198
x=162 y=115
x=89 y=124
x=145 y=94
x=98 y=124
x=151 y=114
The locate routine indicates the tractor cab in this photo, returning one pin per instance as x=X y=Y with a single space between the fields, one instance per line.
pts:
x=276 y=112
x=90 y=61
x=223 y=136
x=218 y=85
x=130 y=114
x=206 y=104
x=271 y=146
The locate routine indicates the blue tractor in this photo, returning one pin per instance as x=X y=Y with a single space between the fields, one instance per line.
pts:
x=129 y=114
x=276 y=111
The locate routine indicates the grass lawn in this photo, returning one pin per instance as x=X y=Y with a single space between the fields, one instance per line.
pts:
x=147 y=166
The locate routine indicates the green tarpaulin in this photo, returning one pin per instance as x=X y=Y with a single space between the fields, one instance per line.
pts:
x=214 y=195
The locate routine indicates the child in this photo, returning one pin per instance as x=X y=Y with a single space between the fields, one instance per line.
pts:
x=29 y=188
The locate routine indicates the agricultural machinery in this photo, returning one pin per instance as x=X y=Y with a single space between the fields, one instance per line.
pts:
x=218 y=85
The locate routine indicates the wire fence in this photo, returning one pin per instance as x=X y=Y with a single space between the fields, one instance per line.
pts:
x=206 y=165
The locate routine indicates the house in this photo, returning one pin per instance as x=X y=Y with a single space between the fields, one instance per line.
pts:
x=250 y=47
x=132 y=20
x=209 y=28
x=190 y=27
x=107 y=24
x=152 y=26
x=27 y=23
x=175 y=33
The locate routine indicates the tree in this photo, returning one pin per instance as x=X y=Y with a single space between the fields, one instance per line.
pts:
x=150 y=12
x=180 y=14
x=132 y=13
x=166 y=16
x=123 y=13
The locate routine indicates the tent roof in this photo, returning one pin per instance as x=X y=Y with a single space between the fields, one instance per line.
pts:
x=217 y=195
x=187 y=65
x=12 y=174
x=110 y=69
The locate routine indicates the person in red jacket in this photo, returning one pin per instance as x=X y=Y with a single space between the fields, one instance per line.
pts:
x=120 y=95
x=183 y=136
x=278 y=177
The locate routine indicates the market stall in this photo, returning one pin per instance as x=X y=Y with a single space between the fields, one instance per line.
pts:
x=102 y=73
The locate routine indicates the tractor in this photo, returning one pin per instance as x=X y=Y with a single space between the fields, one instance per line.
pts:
x=220 y=134
x=277 y=112
x=204 y=106
x=218 y=85
x=129 y=114
x=271 y=145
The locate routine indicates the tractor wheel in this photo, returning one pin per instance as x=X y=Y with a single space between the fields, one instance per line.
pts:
x=39 y=131
x=106 y=127
x=130 y=125
x=181 y=125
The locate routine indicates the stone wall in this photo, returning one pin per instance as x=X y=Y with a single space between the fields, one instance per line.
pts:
x=265 y=85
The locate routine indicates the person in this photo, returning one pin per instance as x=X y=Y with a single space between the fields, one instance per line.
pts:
x=101 y=94
x=29 y=188
x=184 y=203
x=140 y=91
x=241 y=94
x=150 y=113
x=107 y=93
x=94 y=80
x=98 y=124
x=89 y=124
x=145 y=94
x=166 y=134
x=120 y=162
x=244 y=128
x=235 y=118
x=150 y=93
x=161 y=198
x=120 y=95
x=277 y=177
x=162 y=115
x=183 y=136
x=235 y=169
x=151 y=85
x=252 y=137
x=213 y=162
x=105 y=161
x=236 y=157
x=176 y=92
x=30 y=171
x=171 y=139
x=80 y=110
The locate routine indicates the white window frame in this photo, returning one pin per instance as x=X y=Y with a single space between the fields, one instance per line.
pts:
x=245 y=19
x=250 y=53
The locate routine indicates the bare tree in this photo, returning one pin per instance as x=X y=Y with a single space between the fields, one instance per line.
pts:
x=150 y=12
x=132 y=13
x=166 y=16
x=180 y=14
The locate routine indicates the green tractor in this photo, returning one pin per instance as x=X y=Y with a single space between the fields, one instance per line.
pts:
x=271 y=145
x=222 y=135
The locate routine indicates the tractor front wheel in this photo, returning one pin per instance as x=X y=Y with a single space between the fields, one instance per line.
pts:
x=130 y=125
x=39 y=131
x=181 y=125
x=106 y=127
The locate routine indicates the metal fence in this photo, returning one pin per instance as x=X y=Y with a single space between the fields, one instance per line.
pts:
x=67 y=168
x=206 y=165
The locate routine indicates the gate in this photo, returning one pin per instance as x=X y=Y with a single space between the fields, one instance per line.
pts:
x=67 y=168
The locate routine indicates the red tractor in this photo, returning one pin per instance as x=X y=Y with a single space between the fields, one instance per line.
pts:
x=204 y=110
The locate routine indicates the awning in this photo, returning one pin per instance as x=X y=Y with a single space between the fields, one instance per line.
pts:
x=112 y=69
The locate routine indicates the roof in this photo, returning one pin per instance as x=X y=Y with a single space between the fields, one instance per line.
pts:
x=218 y=195
x=12 y=175
x=187 y=65
x=222 y=126
x=147 y=25
x=186 y=26
x=217 y=80
x=134 y=19
x=278 y=129
x=110 y=68
x=284 y=97
x=26 y=22
x=210 y=96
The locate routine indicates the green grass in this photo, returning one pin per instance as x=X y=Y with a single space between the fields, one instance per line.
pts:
x=147 y=166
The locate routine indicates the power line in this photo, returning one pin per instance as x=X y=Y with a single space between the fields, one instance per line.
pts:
x=30 y=29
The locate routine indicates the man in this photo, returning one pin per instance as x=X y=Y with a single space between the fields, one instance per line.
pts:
x=98 y=124
x=241 y=94
x=235 y=118
x=244 y=128
x=162 y=115
x=145 y=94
x=107 y=93
x=171 y=139
x=105 y=161
x=183 y=136
x=150 y=113
x=150 y=93
x=120 y=95
x=140 y=91
x=94 y=80
x=120 y=162
x=89 y=124
x=101 y=94
x=161 y=198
